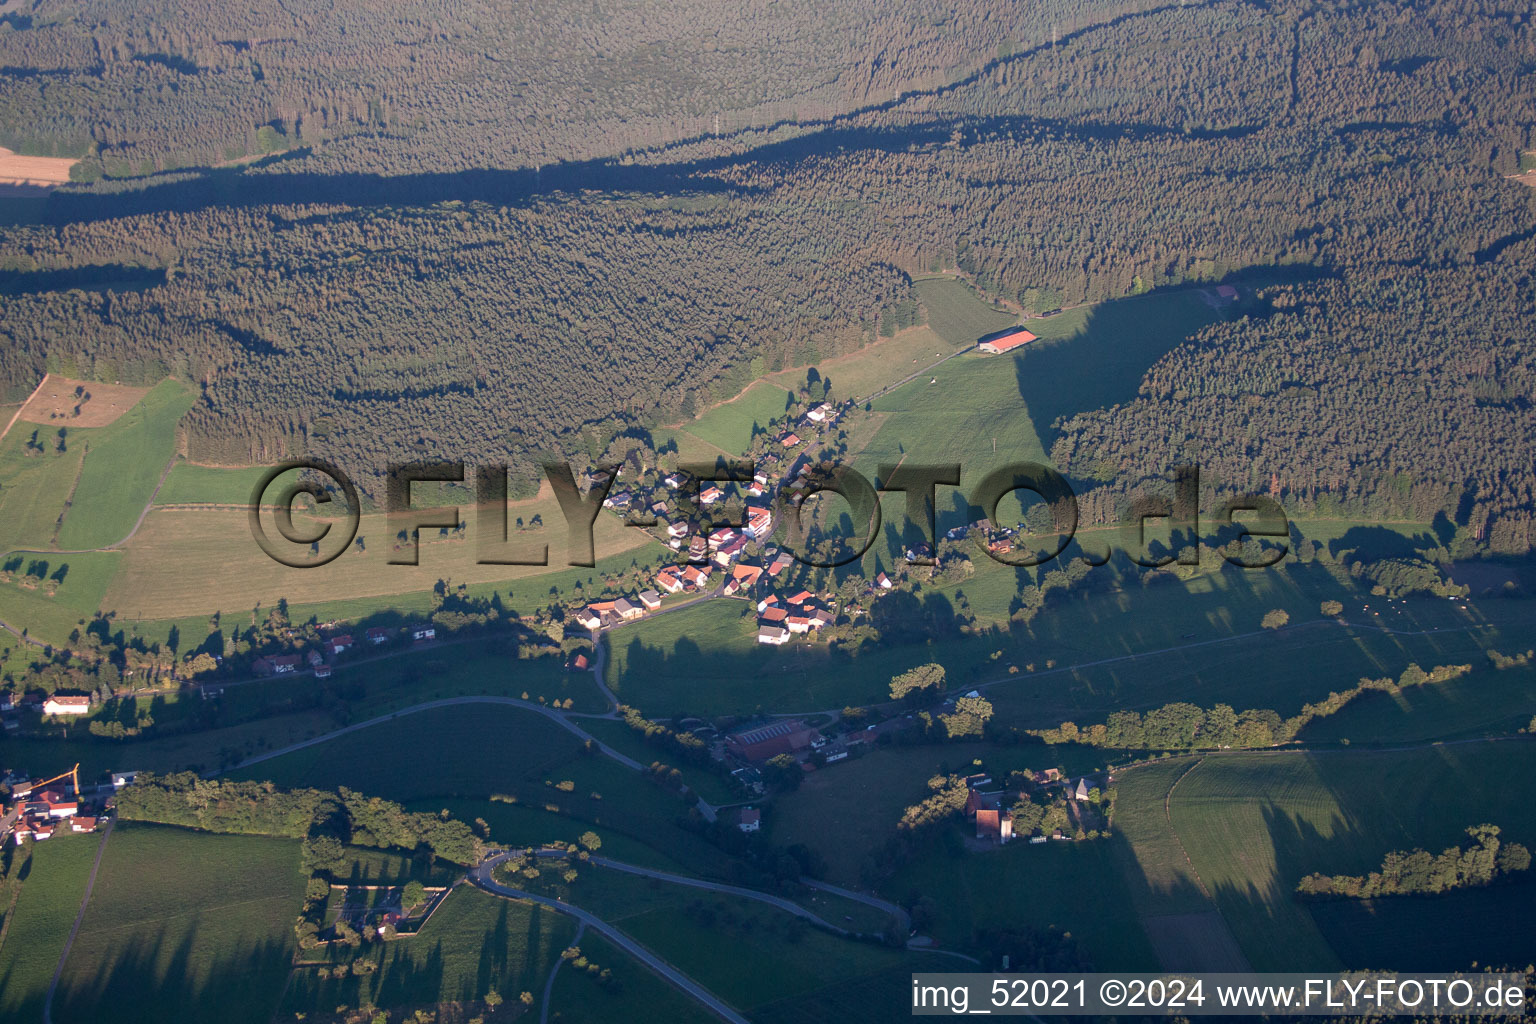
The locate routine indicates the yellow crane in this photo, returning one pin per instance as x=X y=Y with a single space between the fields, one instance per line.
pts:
x=73 y=775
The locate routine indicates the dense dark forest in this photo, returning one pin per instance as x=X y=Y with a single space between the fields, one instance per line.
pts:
x=372 y=296
x=152 y=84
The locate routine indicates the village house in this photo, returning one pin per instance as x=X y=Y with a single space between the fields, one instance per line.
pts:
x=627 y=610
x=57 y=705
x=730 y=551
x=423 y=634
x=1006 y=340
x=378 y=635
x=650 y=600
x=781 y=561
x=696 y=576
x=759 y=522
x=620 y=500
x=315 y=659
x=579 y=662
x=698 y=548
x=678 y=529
x=789 y=440
x=337 y=644
x=883 y=581
x=589 y=618
x=668 y=582
x=820 y=413
x=751 y=819
x=710 y=495
x=674 y=480
x=323 y=671
x=723 y=535
x=775 y=614
x=747 y=575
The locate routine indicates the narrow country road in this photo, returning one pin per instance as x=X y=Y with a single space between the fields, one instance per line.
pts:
x=786 y=905
x=90 y=883
x=481 y=878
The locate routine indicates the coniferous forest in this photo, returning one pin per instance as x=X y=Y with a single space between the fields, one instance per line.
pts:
x=374 y=233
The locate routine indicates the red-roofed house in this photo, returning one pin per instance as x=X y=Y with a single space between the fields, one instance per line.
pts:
x=667 y=580
x=790 y=440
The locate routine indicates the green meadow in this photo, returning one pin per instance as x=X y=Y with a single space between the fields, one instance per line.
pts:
x=481 y=750
x=121 y=466
x=1254 y=824
x=184 y=925
x=191 y=484
x=53 y=876
x=634 y=994
x=732 y=425
x=956 y=314
x=472 y=944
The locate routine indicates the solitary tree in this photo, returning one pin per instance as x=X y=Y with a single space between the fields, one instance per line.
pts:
x=1276 y=618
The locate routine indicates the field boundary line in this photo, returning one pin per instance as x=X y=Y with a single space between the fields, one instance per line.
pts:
x=10 y=911
x=85 y=901
x=1168 y=816
x=17 y=414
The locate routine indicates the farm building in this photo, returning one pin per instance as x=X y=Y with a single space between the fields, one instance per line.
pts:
x=57 y=705
x=767 y=741
x=1005 y=340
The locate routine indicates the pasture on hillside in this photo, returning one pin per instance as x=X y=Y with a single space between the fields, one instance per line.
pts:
x=846 y=810
x=478 y=750
x=956 y=314
x=191 y=484
x=1255 y=823
x=879 y=364
x=52 y=876
x=730 y=426
x=185 y=563
x=121 y=467
x=184 y=925
x=1075 y=887
x=473 y=943
x=1145 y=639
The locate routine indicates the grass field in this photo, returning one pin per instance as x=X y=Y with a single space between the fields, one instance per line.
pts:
x=883 y=362
x=1254 y=824
x=184 y=925
x=772 y=956
x=475 y=942
x=731 y=425
x=1075 y=887
x=121 y=467
x=846 y=809
x=635 y=994
x=955 y=313
x=705 y=660
x=480 y=750
x=52 y=885
x=476 y=750
x=710 y=785
x=191 y=484
x=185 y=563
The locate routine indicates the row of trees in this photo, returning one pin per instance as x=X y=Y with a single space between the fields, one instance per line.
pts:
x=1488 y=859
x=324 y=819
x=1184 y=726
